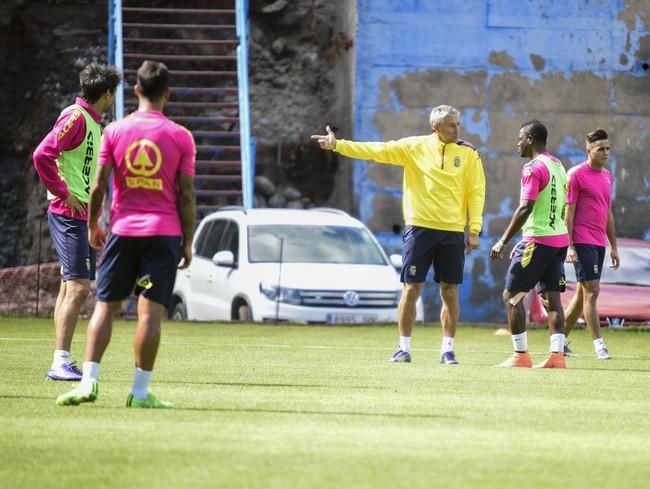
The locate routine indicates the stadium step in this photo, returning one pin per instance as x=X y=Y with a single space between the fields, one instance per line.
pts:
x=206 y=54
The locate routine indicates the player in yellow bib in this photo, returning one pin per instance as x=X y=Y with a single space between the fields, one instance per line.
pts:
x=65 y=162
x=538 y=259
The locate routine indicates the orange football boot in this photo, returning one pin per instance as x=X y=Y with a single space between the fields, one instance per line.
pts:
x=519 y=359
x=554 y=360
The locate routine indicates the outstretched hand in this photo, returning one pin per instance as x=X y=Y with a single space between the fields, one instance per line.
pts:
x=326 y=141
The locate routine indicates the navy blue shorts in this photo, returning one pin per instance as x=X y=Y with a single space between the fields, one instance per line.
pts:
x=590 y=262
x=536 y=265
x=423 y=247
x=144 y=266
x=70 y=238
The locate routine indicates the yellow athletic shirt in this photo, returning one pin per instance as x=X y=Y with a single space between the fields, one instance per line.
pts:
x=443 y=185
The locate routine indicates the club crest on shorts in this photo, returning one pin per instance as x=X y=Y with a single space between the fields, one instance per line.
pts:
x=145 y=282
x=457 y=161
x=412 y=270
x=596 y=268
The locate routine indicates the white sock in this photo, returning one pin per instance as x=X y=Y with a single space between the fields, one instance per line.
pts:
x=599 y=344
x=557 y=343
x=405 y=343
x=141 y=381
x=520 y=341
x=90 y=372
x=447 y=344
x=60 y=357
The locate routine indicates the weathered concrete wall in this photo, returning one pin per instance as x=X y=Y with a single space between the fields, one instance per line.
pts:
x=574 y=65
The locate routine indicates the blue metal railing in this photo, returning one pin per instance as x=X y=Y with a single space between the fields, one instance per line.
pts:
x=116 y=50
x=246 y=143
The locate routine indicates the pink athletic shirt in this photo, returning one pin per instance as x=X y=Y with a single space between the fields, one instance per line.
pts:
x=591 y=192
x=146 y=150
x=534 y=178
x=68 y=133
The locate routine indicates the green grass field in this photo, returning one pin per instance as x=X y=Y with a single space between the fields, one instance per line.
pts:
x=268 y=406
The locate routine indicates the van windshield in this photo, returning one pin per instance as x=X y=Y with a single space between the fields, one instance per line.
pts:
x=313 y=244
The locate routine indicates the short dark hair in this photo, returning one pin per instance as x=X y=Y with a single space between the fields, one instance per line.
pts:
x=96 y=78
x=597 y=135
x=535 y=129
x=153 y=79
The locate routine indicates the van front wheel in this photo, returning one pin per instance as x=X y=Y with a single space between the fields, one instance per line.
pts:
x=179 y=313
x=244 y=313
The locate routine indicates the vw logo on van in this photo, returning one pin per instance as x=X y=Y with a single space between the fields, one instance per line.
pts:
x=351 y=298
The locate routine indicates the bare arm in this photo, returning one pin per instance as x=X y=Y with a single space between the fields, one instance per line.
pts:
x=187 y=209
x=571 y=255
x=96 y=235
x=516 y=222
x=611 y=237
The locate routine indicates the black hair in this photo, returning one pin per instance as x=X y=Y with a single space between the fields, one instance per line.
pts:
x=153 y=79
x=535 y=129
x=96 y=78
x=597 y=135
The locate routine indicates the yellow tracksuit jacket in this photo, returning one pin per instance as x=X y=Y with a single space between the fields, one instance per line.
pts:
x=444 y=184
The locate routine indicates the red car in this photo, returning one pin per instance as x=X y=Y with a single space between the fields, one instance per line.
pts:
x=624 y=293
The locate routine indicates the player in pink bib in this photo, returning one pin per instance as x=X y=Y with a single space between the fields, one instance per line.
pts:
x=590 y=223
x=152 y=224
x=145 y=193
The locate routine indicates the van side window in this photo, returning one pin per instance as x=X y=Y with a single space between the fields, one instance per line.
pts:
x=230 y=239
x=201 y=239
x=210 y=238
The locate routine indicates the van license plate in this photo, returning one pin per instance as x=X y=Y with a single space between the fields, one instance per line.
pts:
x=342 y=318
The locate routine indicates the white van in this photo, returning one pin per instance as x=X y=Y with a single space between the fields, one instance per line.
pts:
x=293 y=265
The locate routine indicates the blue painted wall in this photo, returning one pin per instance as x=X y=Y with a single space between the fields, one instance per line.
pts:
x=524 y=59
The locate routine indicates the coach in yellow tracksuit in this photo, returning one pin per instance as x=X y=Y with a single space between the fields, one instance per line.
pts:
x=444 y=193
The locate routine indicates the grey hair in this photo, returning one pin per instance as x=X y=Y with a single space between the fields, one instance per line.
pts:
x=439 y=113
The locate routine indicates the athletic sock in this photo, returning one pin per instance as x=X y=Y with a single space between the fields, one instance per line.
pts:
x=599 y=344
x=520 y=342
x=405 y=343
x=141 y=381
x=90 y=372
x=557 y=342
x=447 y=344
x=60 y=357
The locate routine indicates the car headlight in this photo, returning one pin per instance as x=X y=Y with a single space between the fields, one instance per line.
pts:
x=281 y=294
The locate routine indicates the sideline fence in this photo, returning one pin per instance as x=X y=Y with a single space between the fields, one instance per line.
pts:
x=32 y=291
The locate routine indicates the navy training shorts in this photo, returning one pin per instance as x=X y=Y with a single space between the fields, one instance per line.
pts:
x=142 y=265
x=70 y=237
x=423 y=247
x=536 y=265
x=590 y=262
